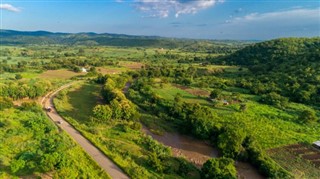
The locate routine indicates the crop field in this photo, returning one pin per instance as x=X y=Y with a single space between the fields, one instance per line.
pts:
x=281 y=130
x=300 y=159
x=131 y=65
x=194 y=91
x=58 y=74
x=169 y=91
x=110 y=70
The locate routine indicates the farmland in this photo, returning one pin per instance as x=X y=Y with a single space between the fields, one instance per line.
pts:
x=217 y=99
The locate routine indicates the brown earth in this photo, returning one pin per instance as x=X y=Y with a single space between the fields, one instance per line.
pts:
x=132 y=65
x=196 y=92
x=198 y=152
x=58 y=74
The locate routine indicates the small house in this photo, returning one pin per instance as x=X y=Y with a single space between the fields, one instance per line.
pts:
x=225 y=102
x=83 y=70
x=316 y=144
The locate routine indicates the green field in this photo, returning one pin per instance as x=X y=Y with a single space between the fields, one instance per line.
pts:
x=125 y=146
x=271 y=126
x=251 y=104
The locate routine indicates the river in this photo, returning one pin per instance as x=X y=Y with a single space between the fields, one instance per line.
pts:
x=198 y=152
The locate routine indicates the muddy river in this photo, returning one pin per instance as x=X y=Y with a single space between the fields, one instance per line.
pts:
x=198 y=152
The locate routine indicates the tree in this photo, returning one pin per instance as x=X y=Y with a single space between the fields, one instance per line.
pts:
x=102 y=112
x=219 y=168
x=5 y=103
x=243 y=107
x=308 y=116
x=17 y=165
x=18 y=76
x=274 y=99
x=230 y=141
x=215 y=93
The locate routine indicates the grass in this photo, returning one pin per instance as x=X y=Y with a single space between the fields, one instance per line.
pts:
x=17 y=138
x=272 y=127
x=58 y=74
x=168 y=91
x=118 y=141
x=110 y=70
x=83 y=97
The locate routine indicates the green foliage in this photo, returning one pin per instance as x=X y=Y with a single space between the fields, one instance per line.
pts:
x=5 y=103
x=34 y=146
x=102 y=112
x=308 y=116
x=274 y=99
x=137 y=154
x=18 y=76
x=216 y=93
x=23 y=89
x=219 y=168
x=286 y=66
x=230 y=141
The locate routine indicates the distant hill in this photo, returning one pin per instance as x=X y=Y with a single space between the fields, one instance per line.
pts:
x=272 y=53
x=289 y=66
x=12 y=37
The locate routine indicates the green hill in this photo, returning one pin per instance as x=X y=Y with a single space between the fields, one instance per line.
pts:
x=11 y=37
x=289 y=66
x=272 y=53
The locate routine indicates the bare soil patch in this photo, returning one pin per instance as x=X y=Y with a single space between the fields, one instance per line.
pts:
x=132 y=65
x=109 y=71
x=196 y=92
x=59 y=74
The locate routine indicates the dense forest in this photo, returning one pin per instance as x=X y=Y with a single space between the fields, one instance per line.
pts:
x=288 y=67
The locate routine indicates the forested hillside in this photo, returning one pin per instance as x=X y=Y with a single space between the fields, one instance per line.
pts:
x=289 y=67
x=10 y=37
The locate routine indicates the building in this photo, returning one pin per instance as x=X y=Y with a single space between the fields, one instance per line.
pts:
x=83 y=70
x=316 y=144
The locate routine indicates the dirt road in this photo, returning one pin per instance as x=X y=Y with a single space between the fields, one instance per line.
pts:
x=105 y=163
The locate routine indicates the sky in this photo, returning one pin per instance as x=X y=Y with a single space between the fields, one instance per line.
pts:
x=199 y=19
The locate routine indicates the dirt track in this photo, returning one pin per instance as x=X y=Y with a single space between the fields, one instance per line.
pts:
x=104 y=162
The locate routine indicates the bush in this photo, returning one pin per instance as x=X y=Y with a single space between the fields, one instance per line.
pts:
x=5 y=103
x=274 y=99
x=102 y=112
x=219 y=168
x=308 y=116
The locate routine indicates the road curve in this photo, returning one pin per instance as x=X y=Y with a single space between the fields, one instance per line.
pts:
x=104 y=162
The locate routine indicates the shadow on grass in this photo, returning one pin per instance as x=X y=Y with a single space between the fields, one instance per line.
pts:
x=83 y=100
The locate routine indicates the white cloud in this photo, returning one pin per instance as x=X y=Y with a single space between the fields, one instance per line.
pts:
x=9 y=7
x=285 y=23
x=294 y=15
x=163 y=8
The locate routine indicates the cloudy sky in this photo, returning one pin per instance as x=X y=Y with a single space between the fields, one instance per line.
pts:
x=206 y=19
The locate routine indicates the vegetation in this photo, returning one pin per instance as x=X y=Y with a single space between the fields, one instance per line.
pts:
x=31 y=145
x=288 y=67
x=249 y=101
x=136 y=153
x=219 y=168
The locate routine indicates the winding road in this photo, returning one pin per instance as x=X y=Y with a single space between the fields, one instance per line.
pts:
x=104 y=162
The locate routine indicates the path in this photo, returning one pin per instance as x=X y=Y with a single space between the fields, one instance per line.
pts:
x=104 y=162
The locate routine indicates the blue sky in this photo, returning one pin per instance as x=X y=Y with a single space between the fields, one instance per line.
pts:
x=206 y=19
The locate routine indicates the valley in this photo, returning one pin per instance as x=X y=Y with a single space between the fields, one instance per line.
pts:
x=159 y=111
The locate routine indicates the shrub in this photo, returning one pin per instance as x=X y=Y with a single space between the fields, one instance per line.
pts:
x=308 y=116
x=219 y=168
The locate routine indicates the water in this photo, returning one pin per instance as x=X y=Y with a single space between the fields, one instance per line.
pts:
x=198 y=152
